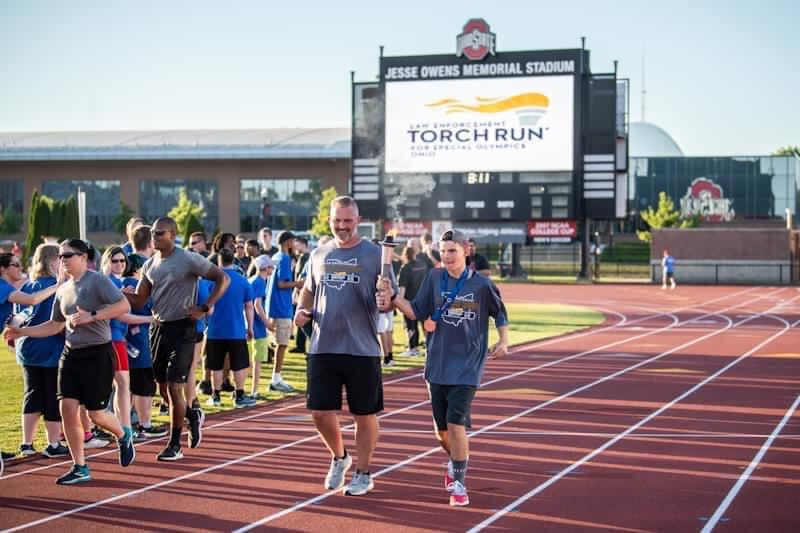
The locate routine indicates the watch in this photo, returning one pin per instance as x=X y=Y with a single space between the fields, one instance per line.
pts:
x=204 y=308
x=94 y=315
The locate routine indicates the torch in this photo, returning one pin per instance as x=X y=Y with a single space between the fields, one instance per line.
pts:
x=387 y=253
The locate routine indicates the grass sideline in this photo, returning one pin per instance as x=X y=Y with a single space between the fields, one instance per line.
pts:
x=528 y=322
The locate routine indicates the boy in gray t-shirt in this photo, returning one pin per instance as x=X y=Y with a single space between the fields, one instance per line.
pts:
x=455 y=304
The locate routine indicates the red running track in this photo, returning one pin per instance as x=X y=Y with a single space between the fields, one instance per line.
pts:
x=678 y=414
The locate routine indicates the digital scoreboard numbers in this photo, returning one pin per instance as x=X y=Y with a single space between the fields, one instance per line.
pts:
x=476 y=195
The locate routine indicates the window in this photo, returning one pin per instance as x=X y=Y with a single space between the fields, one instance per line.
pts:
x=102 y=200
x=280 y=203
x=11 y=200
x=157 y=198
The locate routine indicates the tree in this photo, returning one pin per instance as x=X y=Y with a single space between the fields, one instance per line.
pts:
x=319 y=225
x=50 y=218
x=789 y=150
x=121 y=220
x=11 y=220
x=665 y=217
x=184 y=213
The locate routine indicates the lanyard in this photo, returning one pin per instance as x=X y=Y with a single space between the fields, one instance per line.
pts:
x=448 y=297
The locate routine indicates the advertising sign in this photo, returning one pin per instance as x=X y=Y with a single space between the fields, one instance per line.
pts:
x=552 y=231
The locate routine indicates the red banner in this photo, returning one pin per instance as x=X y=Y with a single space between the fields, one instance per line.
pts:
x=552 y=228
x=407 y=230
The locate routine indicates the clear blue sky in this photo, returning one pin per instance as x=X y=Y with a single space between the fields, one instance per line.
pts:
x=722 y=76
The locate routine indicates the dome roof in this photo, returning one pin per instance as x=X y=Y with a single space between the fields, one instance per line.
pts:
x=648 y=140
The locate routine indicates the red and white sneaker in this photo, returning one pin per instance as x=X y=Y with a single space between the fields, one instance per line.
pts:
x=448 y=481
x=458 y=496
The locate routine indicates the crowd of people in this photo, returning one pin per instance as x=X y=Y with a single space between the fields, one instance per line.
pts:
x=99 y=347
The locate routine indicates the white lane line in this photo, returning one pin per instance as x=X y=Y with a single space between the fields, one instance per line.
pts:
x=588 y=457
x=261 y=414
x=712 y=522
x=273 y=450
x=410 y=460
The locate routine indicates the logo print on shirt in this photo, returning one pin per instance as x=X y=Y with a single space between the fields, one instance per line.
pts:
x=339 y=273
x=463 y=308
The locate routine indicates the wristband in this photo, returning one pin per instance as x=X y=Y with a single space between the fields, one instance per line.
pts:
x=94 y=315
x=204 y=308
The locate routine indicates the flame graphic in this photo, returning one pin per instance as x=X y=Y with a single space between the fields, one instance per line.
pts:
x=494 y=105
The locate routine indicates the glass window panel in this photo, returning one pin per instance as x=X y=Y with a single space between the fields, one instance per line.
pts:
x=559 y=212
x=11 y=204
x=102 y=200
x=280 y=203
x=559 y=201
x=157 y=198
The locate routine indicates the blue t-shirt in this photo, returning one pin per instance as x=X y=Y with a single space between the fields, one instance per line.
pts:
x=280 y=300
x=118 y=328
x=138 y=337
x=259 y=287
x=204 y=288
x=458 y=348
x=6 y=307
x=669 y=264
x=39 y=351
x=228 y=321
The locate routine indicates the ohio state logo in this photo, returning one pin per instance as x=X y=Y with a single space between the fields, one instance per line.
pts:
x=476 y=41
x=705 y=198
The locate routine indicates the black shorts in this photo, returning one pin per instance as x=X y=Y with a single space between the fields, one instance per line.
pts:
x=41 y=388
x=217 y=349
x=451 y=404
x=143 y=381
x=360 y=376
x=86 y=375
x=172 y=346
x=670 y=275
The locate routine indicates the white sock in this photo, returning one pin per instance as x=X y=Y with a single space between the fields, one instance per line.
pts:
x=276 y=377
x=450 y=467
x=54 y=444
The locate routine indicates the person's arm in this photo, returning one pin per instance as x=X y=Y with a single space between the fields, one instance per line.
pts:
x=303 y=314
x=138 y=297
x=259 y=310
x=23 y=298
x=221 y=282
x=501 y=348
x=248 y=313
x=135 y=320
x=45 y=329
x=115 y=310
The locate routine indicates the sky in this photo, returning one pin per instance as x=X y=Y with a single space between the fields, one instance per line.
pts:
x=721 y=75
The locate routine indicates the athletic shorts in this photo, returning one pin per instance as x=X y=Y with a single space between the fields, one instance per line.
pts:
x=86 y=375
x=670 y=275
x=283 y=330
x=41 y=388
x=217 y=349
x=385 y=322
x=121 y=349
x=259 y=349
x=451 y=404
x=172 y=347
x=143 y=382
x=359 y=375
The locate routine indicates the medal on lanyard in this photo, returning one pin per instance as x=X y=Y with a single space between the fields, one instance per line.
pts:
x=447 y=300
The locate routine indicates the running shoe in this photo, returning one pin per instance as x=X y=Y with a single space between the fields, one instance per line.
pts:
x=204 y=387
x=7 y=455
x=163 y=409
x=243 y=401
x=258 y=397
x=92 y=441
x=337 y=471
x=448 y=481
x=227 y=386
x=214 y=401
x=101 y=434
x=458 y=496
x=196 y=418
x=127 y=453
x=170 y=453
x=388 y=361
x=59 y=450
x=77 y=474
x=359 y=485
x=281 y=386
x=26 y=450
x=151 y=432
x=413 y=352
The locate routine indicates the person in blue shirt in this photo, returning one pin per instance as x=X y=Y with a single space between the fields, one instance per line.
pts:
x=455 y=302
x=668 y=270
x=39 y=359
x=229 y=327
x=11 y=277
x=259 y=348
x=281 y=286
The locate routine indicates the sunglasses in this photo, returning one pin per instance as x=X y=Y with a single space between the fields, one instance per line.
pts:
x=115 y=261
x=67 y=255
x=194 y=243
x=159 y=232
x=15 y=265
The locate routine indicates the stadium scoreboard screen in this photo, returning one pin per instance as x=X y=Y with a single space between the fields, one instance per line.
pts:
x=482 y=135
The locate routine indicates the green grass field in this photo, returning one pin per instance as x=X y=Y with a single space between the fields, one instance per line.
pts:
x=527 y=323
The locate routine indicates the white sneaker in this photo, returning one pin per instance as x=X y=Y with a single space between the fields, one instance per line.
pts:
x=94 y=442
x=281 y=386
x=337 y=471
x=359 y=485
x=410 y=353
x=458 y=496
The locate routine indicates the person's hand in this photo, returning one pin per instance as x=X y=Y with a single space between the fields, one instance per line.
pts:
x=271 y=324
x=302 y=317
x=13 y=333
x=383 y=298
x=196 y=312
x=80 y=317
x=128 y=289
x=250 y=334
x=499 y=350
x=384 y=284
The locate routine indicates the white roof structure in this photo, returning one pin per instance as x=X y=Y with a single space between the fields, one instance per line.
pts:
x=279 y=143
x=648 y=140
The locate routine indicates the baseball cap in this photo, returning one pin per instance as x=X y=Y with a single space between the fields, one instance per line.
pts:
x=263 y=262
x=454 y=235
x=285 y=236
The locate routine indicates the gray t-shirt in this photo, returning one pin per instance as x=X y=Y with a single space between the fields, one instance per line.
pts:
x=173 y=282
x=458 y=347
x=345 y=313
x=92 y=292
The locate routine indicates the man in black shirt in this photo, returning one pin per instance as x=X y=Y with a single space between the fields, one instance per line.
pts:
x=477 y=262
